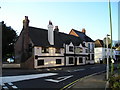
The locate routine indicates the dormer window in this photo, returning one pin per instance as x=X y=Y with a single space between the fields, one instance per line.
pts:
x=70 y=48
x=57 y=50
x=45 y=50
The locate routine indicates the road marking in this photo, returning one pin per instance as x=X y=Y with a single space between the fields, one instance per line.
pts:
x=75 y=70
x=10 y=83
x=93 y=67
x=14 y=87
x=8 y=79
x=73 y=83
x=61 y=79
x=5 y=87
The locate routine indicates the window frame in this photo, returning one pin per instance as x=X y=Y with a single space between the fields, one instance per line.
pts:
x=80 y=60
x=70 y=61
x=57 y=50
x=46 y=50
x=57 y=62
x=42 y=63
x=71 y=50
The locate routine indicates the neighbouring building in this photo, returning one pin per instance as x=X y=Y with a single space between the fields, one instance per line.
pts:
x=88 y=42
x=38 y=48
x=117 y=53
x=101 y=51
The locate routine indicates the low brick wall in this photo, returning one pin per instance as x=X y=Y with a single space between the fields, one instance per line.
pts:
x=10 y=65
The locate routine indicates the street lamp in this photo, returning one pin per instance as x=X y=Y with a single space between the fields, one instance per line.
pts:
x=107 y=68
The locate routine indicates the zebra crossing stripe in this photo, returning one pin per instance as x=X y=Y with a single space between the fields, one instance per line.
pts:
x=14 y=87
x=5 y=87
x=10 y=84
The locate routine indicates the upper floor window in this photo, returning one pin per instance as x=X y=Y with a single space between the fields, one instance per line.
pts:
x=78 y=50
x=70 y=48
x=45 y=50
x=57 y=50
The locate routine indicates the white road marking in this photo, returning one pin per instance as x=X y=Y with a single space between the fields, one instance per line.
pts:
x=8 y=79
x=93 y=67
x=5 y=87
x=62 y=79
x=3 y=84
x=14 y=87
x=10 y=83
x=75 y=70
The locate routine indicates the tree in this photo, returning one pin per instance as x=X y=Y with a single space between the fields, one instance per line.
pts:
x=9 y=37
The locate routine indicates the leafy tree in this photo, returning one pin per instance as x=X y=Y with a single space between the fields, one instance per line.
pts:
x=9 y=37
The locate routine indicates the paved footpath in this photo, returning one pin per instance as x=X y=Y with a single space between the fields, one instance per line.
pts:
x=94 y=82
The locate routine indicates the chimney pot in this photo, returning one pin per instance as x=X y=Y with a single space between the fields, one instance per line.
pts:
x=56 y=29
x=26 y=22
x=84 y=31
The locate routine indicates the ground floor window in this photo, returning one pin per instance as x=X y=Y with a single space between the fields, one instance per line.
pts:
x=80 y=60
x=40 y=62
x=58 y=61
x=92 y=56
x=70 y=60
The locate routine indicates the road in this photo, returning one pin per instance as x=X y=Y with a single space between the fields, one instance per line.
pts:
x=48 y=78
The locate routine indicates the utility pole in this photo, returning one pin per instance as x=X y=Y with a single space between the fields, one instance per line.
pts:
x=112 y=67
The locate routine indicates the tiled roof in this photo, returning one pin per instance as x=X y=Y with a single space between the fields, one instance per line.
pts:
x=99 y=43
x=83 y=36
x=39 y=37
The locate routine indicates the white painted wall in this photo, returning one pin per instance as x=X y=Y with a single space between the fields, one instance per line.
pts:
x=100 y=53
x=48 y=61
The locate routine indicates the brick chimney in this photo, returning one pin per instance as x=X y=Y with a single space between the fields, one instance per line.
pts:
x=50 y=33
x=84 y=31
x=26 y=22
x=56 y=29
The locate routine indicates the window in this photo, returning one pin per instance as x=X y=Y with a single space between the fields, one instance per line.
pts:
x=70 y=49
x=57 y=50
x=70 y=60
x=89 y=57
x=78 y=50
x=58 y=61
x=45 y=50
x=80 y=60
x=40 y=62
x=92 y=56
x=88 y=47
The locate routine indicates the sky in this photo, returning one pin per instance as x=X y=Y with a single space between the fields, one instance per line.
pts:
x=91 y=15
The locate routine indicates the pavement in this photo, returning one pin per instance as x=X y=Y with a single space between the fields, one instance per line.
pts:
x=96 y=81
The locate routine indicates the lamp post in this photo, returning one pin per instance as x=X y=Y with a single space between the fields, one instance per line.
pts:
x=107 y=69
x=112 y=67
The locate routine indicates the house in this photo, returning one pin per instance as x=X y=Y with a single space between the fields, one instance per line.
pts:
x=101 y=51
x=39 y=48
x=88 y=42
x=117 y=53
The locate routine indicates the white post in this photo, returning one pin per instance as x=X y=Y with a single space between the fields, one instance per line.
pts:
x=107 y=74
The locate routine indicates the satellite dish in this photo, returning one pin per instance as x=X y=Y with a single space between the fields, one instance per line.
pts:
x=109 y=41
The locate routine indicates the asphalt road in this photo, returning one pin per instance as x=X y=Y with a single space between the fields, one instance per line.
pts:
x=47 y=78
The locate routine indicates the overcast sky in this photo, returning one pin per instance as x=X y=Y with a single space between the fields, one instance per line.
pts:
x=93 y=16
